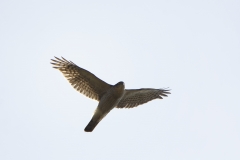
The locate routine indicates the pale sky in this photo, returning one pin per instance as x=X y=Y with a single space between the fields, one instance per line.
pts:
x=192 y=47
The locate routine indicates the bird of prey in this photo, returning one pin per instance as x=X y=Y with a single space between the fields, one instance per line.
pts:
x=109 y=96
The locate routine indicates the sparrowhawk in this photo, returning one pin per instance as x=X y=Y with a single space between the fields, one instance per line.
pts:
x=109 y=96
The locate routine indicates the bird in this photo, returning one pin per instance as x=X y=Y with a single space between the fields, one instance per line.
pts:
x=109 y=96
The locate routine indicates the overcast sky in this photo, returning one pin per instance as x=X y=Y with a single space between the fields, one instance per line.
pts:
x=192 y=47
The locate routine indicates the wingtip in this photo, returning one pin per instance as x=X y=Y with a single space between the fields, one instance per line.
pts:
x=64 y=59
x=166 y=90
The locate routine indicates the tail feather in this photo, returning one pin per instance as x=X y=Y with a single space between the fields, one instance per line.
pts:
x=91 y=125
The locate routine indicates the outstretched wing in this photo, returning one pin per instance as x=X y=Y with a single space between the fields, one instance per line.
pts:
x=81 y=79
x=134 y=97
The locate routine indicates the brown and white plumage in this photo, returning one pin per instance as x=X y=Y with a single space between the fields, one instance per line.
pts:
x=82 y=80
x=109 y=96
x=135 y=97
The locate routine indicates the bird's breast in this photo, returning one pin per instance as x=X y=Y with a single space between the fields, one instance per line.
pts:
x=110 y=99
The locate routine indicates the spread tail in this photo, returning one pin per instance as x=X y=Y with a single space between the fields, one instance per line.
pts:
x=91 y=125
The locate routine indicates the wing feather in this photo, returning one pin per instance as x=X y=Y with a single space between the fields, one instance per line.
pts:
x=82 y=80
x=135 y=97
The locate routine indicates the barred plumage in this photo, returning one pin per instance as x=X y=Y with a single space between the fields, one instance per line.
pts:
x=135 y=97
x=109 y=96
x=82 y=80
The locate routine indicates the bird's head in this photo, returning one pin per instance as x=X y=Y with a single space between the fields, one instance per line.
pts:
x=121 y=83
x=120 y=86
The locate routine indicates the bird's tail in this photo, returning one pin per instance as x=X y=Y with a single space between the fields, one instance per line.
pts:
x=91 y=125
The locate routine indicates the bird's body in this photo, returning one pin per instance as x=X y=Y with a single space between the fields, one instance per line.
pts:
x=106 y=104
x=109 y=96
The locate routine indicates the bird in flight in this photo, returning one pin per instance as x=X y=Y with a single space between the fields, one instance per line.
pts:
x=109 y=96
